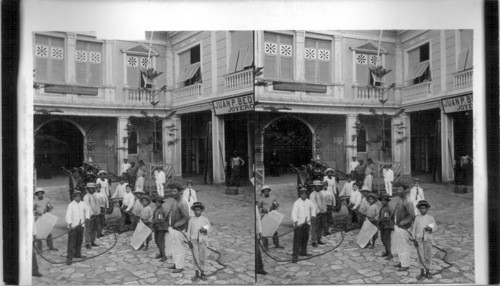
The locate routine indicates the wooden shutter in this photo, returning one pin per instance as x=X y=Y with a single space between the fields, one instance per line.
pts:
x=413 y=57
x=81 y=66
x=362 y=74
x=57 y=67
x=470 y=56
x=133 y=70
x=42 y=58
x=235 y=50
x=184 y=62
x=271 y=59
x=95 y=64
x=324 y=62
x=286 y=62
x=311 y=60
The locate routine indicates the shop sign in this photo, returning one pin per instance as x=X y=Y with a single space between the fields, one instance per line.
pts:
x=234 y=105
x=457 y=104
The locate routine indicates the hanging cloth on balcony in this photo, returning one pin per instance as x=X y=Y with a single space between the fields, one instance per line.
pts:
x=418 y=70
x=189 y=71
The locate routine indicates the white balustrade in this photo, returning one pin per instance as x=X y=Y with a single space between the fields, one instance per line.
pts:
x=417 y=90
x=187 y=93
x=142 y=95
x=462 y=79
x=369 y=93
x=238 y=80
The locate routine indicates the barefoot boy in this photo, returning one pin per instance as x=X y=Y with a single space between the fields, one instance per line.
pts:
x=197 y=232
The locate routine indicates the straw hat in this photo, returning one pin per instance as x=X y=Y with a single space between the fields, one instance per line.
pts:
x=101 y=172
x=265 y=187
x=38 y=190
x=422 y=203
x=197 y=205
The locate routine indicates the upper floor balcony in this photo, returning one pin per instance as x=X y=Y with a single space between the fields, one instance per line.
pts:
x=419 y=90
x=187 y=94
x=462 y=80
x=143 y=96
x=238 y=82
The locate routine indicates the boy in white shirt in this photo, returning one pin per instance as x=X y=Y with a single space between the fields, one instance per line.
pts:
x=388 y=174
x=160 y=180
x=302 y=213
x=197 y=232
x=189 y=195
x=424 y=226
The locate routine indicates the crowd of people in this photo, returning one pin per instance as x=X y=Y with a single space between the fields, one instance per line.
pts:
x=401 y=224
x=171 y=223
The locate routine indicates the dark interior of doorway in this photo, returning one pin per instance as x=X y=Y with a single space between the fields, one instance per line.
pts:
x=463 y=134
x=291 y=140
x=426 y=143
x=57 y=144
x=236 y=139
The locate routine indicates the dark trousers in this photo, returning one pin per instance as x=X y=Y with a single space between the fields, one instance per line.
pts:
x=259 y=266
x=49 y=243
x=75 y=239
x=385 y=236
x=160 y=241
x=300 y=238
x=34 y=264
x=317 y=227
x=102 y=221
x=235 y=176
x=91 y=226
x=276 y=241
x=126 y=217
x=328 y=218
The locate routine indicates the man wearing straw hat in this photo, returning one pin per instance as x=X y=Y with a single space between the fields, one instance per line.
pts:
x=103 y=182
x=103 y=201
x=197 y=233
x=41 y=206
x=92 y=225
x=423 y=228
x=76 y=215
x=317 y=225
x=267 y=203
x=303 y=212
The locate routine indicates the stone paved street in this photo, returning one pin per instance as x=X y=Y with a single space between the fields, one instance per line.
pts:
x=232 y=235
x=349 y=264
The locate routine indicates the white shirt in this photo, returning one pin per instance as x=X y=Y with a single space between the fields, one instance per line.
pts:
x=332 y=184
x=194 y=226
x=347 y=189
x=125 y=167
x=119 y=191
x=128 y=200
x=303 y=211
x=190 y=198
x=355 y=198
x=139 y=184
x=160 y=177
x=367 y=183
x=104 y=185
x=389 y=175
x=318 y=201
x=102 y=199
x=353 y=165
x=77 y=213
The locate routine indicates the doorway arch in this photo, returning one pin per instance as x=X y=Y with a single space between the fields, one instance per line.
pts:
x=292 y=139
x=59 y=142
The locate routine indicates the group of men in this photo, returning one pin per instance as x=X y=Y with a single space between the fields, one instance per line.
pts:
x=401 y=226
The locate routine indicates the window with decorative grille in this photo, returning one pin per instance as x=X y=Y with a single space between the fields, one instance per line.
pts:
x=89 y=66
x=364 y=62
x=134 y=65
x=50 y=58
x=318 y=61
x=278 y=56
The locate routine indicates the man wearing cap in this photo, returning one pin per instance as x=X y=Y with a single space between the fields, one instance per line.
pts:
x=424 y=227
x=317 y=224
x=189 y=195
x=303 y=211
x=76 y=216
x=179 y=218
x=197 y=233
x=267 y=203
x=42 y=205
x=416 y=194
x=160 y=226
x=102 y=200
x=403 y=217
x=92 y=225
x=103 y=182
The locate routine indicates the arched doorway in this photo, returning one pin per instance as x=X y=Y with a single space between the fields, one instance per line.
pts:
x=58 y=143
x=287 y=141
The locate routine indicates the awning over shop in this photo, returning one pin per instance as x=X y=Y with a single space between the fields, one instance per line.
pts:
x=189 y=71
x=418 y=70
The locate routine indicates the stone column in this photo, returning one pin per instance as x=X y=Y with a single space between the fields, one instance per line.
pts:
x=401 y=151
x=350 y=139
x=176 y=150
x=70 y=59
x=121 y=133
x=218 y=149
x=442 y=61
x=447 y=147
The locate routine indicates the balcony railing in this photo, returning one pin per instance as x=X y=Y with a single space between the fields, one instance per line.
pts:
x=462 y=79
x=239 y=80
x=417 y=90
x=368 y=93
x=139 y=95
x=187 y=93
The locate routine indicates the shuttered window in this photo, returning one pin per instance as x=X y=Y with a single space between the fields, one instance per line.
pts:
x=278 y=56
x=364 y=76
x=49 y=59
x=241 y=51
x=89 y=59
x=465 y=55
x=419 y=65
x=134 y=66
x=318 y=61
x=189 y=67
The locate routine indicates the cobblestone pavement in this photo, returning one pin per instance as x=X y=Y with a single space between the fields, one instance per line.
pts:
x=231 y=217
x=349 y=264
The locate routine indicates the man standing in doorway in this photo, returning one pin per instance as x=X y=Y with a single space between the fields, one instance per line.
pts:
x=236 y=163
